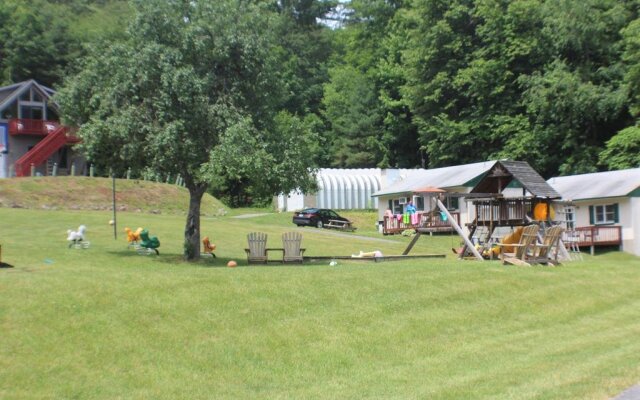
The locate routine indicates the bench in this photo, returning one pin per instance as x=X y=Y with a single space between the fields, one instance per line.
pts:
x=343 y=225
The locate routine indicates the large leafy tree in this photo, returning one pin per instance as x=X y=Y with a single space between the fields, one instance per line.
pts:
x=535 y=80
x=191 y=91
x=368 y=122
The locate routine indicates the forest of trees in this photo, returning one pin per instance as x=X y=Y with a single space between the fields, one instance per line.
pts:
x=406 y=83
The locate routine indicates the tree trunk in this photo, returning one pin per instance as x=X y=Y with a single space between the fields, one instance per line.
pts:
x=192 y=227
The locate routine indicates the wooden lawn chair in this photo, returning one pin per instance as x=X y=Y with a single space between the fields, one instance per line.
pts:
x=547 y=252
x=291 y=242
x=257 y=251
x=524 y=250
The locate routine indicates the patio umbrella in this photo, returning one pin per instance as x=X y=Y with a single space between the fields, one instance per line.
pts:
x=429 y=189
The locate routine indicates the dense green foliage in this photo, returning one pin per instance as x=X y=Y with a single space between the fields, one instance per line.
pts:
x=42 y=39
x=402 y=83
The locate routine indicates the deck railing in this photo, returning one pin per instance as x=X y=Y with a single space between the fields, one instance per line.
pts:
x=596 y=236
x=503 y=212
x=32 y=126
x=431 y=221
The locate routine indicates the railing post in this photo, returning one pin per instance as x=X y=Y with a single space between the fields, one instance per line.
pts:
x=33 y=170
x=54 y=172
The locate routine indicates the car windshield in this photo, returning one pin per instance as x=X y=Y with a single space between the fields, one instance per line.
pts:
x=309 y=211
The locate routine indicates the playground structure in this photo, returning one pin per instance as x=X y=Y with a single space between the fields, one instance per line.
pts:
x=510 y=194
x=142 y=242
x=493 y=209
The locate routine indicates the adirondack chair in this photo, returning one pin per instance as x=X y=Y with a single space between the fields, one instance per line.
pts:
x=524 y=250
x=547 y=252
x=257 y=251
x=291 y=242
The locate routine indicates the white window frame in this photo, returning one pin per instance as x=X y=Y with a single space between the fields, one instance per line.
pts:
x=604 y=214
x=570 y=217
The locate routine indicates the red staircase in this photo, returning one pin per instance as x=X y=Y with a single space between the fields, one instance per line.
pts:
x=42 y=151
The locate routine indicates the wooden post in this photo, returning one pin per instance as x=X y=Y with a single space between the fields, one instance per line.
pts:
x=411 y=244
x=113 y=180
x=54 y=172
x=73 y=169
x=459 y=230
x=91 y=171
x=128 y=173
x=33 y=170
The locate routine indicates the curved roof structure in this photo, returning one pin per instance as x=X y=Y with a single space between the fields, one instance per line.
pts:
x=347 y=188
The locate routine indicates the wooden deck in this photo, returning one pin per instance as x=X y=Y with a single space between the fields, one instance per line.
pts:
x=428 y=222
x=592 y=236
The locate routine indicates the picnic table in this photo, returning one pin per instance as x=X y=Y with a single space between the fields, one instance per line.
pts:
x=339 y=224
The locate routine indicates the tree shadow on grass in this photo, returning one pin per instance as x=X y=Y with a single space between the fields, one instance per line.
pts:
x=206 y=261
x=175 y=259
x=5 y=265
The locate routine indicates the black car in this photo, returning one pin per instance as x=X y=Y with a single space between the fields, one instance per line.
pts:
x=317 y=217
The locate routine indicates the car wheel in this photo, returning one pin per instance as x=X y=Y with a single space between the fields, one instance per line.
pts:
x=319 y=224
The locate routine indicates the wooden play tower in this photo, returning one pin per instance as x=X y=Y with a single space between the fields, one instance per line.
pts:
x=494 y=208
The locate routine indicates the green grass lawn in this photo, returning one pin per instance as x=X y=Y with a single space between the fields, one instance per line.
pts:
x=106 y=323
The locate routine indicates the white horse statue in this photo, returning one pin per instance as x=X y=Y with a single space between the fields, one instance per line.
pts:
x=76 y=238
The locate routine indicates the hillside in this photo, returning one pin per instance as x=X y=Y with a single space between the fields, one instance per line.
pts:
x=84 y=193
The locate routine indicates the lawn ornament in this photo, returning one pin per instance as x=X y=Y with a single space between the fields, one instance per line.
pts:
x=76 y=238
x=133 y=237
x=371 y=254
x=148 y=244
x=208 y=247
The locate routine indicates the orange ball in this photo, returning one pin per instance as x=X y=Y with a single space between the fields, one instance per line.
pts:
x=232 y=264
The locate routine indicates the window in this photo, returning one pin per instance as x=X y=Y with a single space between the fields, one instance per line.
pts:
x=603 y=214
x=395 y=206
x=453 y=203
x=418 y=201
x=570 y=217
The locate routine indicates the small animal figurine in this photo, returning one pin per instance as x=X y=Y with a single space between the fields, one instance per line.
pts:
x=133 y=237
x=208 y=246
x=76 y=238
x=149 y=243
